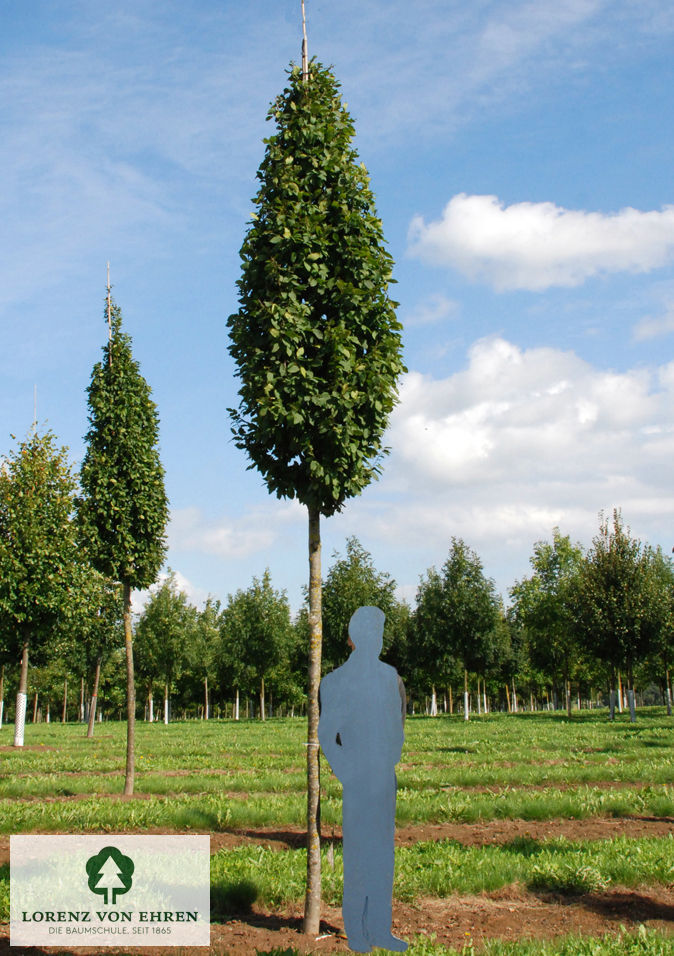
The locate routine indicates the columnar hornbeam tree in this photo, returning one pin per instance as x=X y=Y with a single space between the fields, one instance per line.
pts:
x=316 y=342
x=124 y=509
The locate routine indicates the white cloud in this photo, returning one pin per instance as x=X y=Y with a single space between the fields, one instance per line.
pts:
x=653 y=327
x=228 y=537
x=537 y=245
x=430 y=310
x=519 y=441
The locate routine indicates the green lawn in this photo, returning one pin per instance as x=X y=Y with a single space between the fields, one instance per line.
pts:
x=218 y=775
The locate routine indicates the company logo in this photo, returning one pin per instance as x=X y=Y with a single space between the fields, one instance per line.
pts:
x=110 y=873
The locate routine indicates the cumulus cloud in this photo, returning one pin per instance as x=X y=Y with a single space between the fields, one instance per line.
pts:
x=538 y=245
x=515 y=443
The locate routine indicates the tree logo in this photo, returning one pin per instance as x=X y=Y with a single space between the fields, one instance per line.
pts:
x=110 y=874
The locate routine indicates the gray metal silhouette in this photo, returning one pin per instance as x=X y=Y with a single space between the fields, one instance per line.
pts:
x=361 y=733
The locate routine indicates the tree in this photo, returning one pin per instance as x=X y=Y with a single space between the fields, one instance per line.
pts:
x=163 y=631
x=352 y=582
x=124 y=509
x=457 y=610
x=37 y=550
x=316 y=342
x=543 y=606
x=617 y=616
x=257 y=630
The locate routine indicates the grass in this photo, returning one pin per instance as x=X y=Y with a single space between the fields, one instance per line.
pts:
x=220 y=775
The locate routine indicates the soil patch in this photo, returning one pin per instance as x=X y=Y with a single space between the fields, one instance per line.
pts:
x=507 y=915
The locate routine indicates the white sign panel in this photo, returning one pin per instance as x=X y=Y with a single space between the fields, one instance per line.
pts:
x=109 y=890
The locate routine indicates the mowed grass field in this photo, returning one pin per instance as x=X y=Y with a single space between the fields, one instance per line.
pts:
x=514 y=826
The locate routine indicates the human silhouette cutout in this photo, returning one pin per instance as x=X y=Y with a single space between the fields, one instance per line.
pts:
x=361 y=733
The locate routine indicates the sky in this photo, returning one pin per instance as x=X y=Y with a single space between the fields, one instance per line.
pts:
x=521 y=158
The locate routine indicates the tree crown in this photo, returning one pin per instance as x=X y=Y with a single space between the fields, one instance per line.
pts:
x=124 y=510
x=316 y=339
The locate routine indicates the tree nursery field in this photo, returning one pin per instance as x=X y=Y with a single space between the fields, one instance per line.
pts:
x=516 y=834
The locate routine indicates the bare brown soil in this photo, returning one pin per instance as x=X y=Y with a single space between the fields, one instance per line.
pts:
x=511 y=914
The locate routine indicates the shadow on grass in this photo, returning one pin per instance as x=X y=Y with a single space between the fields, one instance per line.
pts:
x=232 y=899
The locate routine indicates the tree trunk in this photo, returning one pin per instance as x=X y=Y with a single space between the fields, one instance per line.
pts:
x=451 y=700
x=620 y=693
x=150 y=706
x=466 y=707
x=312 y=900
x=567 y=688
x=130 y=694
x=35 y=707
x=2 y=692
x=508 y=697
x=64 y=712
x=667 y=684
x=262 y=713
x=630 y=694
x=484 y=696
x=205 y=698
x=479 y=702
x=236 y=705
x=166 y=702
x=94 y=698
x=82 y=700
x=434 y=702
x=20 y=718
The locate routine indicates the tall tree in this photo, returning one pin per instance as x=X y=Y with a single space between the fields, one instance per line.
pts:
x=543 y=606
x=163 y=632
x=257 y=630
x=351 y=582
x=37 y=550
x=616 y=613
x=316 y=342
x=457 y=610
x=124 y=509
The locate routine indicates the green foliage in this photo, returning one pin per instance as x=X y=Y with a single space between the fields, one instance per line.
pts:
x=164 y=632
x=124 y=510
x=37 y=541
x=257 y=636
x=620 y=610
x=353 y=581
x=543 y=605
x=457 y=611
x=315 y=340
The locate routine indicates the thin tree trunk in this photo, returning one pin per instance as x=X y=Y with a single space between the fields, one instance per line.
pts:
x=130 y=695
x=205 y=698
x=508 y=697
x=567 y=688
x=150 y=705
x=514 y=697
x=466 y=706
x=2 y=692
x=668 y=692
x=262 y=713
x=20 y=718
x=484 y=696
x=312 y=900
x=64 y=712
x=166 y=702
x=82 y=700
x=434 y=702
x=94 y=698
x=620 y=693
x=35 y=708
x=479 y=702
x=451 y=700
x=236 y=705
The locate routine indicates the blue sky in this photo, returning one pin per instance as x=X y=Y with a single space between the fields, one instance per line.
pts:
x=521 y=156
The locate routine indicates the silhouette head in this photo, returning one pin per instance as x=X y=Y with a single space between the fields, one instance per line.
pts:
x=366 y=630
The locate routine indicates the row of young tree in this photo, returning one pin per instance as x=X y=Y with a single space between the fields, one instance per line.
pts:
x=577 y=628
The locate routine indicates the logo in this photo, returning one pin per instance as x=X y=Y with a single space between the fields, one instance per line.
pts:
x=110 y=873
